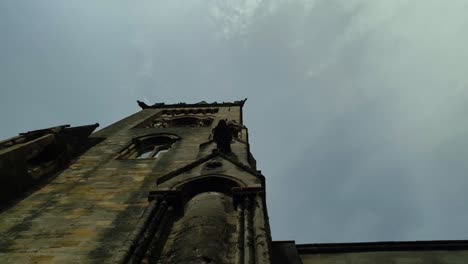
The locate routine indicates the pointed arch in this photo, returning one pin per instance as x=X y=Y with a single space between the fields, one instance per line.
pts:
x=208 y=183
x=149 y=146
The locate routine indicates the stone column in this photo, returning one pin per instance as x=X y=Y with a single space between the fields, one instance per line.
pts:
x=203 y=234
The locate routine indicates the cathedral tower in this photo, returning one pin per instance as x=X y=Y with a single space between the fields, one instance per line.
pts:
x=173 y=183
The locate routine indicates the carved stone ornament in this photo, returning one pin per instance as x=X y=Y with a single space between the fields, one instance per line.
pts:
x=222 y=135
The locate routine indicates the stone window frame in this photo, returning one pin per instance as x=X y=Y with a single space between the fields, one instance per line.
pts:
x=151 y=146
x=166 y=116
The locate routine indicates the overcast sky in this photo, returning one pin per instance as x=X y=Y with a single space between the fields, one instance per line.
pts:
x=357 y=109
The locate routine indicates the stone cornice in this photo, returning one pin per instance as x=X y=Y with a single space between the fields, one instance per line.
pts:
x=184 y=105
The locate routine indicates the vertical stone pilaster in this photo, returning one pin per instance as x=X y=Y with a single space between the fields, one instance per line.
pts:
x=254 y=235
x=138 y=251
x=132 y=241
x=159 y=239
x=249 y=254
x=261 y=236
x=240 y=229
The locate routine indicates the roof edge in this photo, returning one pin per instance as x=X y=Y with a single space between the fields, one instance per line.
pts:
x=382 y=246
x=143 y=105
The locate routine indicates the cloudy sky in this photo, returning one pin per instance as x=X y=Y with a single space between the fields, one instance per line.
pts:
x=357 y=109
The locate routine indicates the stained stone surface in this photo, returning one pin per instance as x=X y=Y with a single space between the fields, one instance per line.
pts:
x=87 y=211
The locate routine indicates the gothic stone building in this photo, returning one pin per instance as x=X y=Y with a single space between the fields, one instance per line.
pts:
x=173 y=183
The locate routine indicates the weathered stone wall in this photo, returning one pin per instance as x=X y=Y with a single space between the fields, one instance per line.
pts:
x=29 y=159
x=393 y=257
x=206 y=232
x=86 y=213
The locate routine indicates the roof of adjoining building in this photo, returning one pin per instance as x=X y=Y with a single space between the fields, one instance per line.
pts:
x=383 y=246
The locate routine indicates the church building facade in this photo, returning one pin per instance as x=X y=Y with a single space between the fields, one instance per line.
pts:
x=172 y=183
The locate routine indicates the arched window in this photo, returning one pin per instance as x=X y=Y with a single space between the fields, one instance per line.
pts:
x=149 y=147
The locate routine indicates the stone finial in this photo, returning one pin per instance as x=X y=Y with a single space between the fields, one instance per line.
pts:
x=143 y=105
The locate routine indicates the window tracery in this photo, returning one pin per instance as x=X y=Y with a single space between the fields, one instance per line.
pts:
x=149 y=147
x=186 y=121
x=191 y=111
x=187 y=117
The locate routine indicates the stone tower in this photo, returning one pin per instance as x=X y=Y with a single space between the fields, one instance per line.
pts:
x=173 y=183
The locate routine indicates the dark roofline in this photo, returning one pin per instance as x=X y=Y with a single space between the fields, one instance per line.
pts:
x=183 y=105
x=382 y=246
